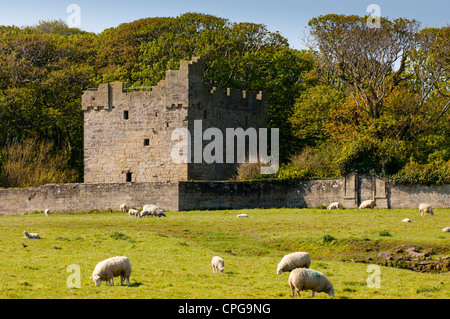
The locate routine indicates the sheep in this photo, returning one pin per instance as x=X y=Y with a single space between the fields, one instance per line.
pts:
x=242 y=216
x=31 y=236
x=294 y=260
x=144 y=213
x=47 y=212
x=446 y=230
x=333 y=206
x=308 y=279
x=154 y=210
x=425 y=209
x=368 y=204
x=406 y=220
x=218 y=264
x=107 y=269
x=123 y=208
x=133 y=212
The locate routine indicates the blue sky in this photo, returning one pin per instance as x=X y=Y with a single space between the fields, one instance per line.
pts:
x=289 y=17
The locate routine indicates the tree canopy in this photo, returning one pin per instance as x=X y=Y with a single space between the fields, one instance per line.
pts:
x=356 y=91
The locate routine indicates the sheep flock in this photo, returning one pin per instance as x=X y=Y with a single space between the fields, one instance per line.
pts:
x=297 y=264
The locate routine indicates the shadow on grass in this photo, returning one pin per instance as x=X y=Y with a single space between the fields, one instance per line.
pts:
x=136 y=284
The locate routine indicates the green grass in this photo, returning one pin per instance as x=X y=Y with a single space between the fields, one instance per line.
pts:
x=171 y=256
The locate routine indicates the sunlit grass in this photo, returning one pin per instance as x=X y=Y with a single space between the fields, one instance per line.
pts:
x=171 y=256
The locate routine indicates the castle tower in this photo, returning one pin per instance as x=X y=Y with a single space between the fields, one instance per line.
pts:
x=127 y=131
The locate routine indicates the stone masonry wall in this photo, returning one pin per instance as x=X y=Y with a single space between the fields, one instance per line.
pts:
x=85 y=197
x=221 y=109
x=199 y=195
x=401 y=196
x=211 y=195
x=114 y=142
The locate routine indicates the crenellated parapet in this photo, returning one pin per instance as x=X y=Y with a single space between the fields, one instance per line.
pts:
x=180 y=89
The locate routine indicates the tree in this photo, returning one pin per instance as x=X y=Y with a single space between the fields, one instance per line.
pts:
x=313 y=113
x=42 y=76
x=368 y=64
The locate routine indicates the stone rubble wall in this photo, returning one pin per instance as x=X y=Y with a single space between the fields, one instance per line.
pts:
x=214 y=195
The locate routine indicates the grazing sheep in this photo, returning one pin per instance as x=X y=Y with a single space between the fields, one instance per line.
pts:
x=124 y=208
x=154 y=210
x=406 y=220
x=143 y=214
x=333 y=206
x=425 y=209
x=31 y=236
x=133 y=212
x=242 y=216
x=308 y=279
x=294 y=260
x=446 y=230
x=218 y=264
x=107 y=269
x=47 y=212
x=368 y=204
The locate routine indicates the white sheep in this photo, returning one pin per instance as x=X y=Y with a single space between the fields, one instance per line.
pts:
x=242 y=216
x=154 y=210
x=31 y=236
x=425 y=209
x=218 y=264
x=133 y=212
x=292 y=261
x=47 y=212
x=308 y=279
x=446 y=230
x=333 y=206
x=123 y=208
x=368 y=204
x=107 y=269
x=406 y=220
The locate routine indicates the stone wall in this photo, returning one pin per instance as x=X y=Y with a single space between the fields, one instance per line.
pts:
x=85 y=197
x=212 y=195
x=349 y=191
x=401 y=196
x=203 y=195
x=117 y=124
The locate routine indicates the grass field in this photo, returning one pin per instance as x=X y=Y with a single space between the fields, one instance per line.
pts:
x=171 y=256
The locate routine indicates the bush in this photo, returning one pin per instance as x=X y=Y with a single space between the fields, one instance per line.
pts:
x=248 y=171
x=328 y=238
x=367 y=155
x=384 y=233
x=32 y=163
x=434 y=173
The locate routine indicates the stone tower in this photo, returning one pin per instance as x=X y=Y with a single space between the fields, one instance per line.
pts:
x=127 y=131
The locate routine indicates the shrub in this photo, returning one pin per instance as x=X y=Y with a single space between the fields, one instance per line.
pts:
x=248 y=171
x=367 y=155
x=434 y=173
x=33 y=163
x=384 y=233
x=328 y=238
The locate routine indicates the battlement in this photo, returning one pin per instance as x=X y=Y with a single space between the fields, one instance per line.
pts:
x=235 y=98
x=180 y=88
